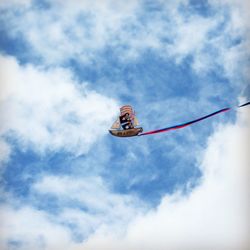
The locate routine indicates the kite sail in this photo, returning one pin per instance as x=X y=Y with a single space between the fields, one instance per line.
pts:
x=183 y=125
x=126 y=124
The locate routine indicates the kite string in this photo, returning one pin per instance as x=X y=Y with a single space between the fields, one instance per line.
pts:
x=183 y=125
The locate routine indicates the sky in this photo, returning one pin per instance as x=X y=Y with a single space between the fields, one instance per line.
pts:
x=66 y=69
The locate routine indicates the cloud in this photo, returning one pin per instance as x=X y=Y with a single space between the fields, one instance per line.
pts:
x=90 y=192
x=70 y=29
x=28 y=228
x=49 y=110
x=82 y=30
x=214 y=215
x=226 y=44
x=83 y=206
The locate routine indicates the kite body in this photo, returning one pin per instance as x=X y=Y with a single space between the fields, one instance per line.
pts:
x=126 y=124
x=126 y=133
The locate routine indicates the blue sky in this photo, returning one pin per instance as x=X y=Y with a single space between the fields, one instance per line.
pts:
x=66 y=68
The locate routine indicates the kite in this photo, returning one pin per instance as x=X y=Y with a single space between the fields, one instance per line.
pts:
x=127 y=124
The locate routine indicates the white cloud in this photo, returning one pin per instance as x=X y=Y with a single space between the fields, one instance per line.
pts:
x=231 y=58
x=71 y=29
x=80 y=30
x=86 y=205
x=213 y=216
x=90 y=192
x=191 y=36
x=49 y=110
x=30 y=229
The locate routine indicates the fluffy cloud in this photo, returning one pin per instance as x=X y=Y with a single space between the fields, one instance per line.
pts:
x=215 y=215
x=90 y=192
x=70 y=29
x=80 y=30
x=85 y=205
x=49 y=110
x=28 y=228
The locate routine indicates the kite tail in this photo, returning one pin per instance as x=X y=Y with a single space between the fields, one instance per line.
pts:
x=245 y=104
x=183 y=125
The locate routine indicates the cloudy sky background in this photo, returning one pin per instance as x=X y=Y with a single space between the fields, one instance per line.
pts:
x=67 y=67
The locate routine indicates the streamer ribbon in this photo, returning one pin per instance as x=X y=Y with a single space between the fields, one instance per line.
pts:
x=183 y=125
